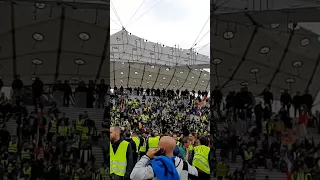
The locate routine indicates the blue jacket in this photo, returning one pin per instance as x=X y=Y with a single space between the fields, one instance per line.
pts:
x=164 y=168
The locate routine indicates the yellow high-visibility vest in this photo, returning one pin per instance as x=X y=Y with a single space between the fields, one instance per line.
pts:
x=153 y=142
x=222 y=169
x=103 y=173
x=79 y=124
x=143 y=148
x=25 y=154
x=178 y=143
x=308 y=176
x=191 y=148
x=63 y=131
x=27 y=172
x=118 y=160
x=137 y=141
x=200 y=159
x=247 y=155
x=13 y=147
x=84 y=135
x=264 y=127
x=53 y=128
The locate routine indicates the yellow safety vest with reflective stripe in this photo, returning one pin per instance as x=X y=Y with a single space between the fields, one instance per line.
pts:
x=13 y=147
x=25 y=154
x=264 y=127
x=143 y=148
x=200 y=159
x=63 y=131
x=178 y=143
x=53 y=128
x=75 y=145
x=103 y=173
x=191 y=148
x=153 y=142
x=79 y=124
x=308 y=176
x=222 y=169
x=118 y=160
x=84 y=133
x=137 y=141
x=10 y=168
x=300 y=176
x=247 y=155
x=27 y=172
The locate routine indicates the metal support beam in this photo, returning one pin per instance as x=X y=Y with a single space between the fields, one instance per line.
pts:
x=144 y=70
x=105 y=54
x=156 y=78
x=186 y=78
x=313 y=72
x=198 y=81
x=174 y=72
x=128 y=75
x=282 y=58
x=13 y=39
x=114 y=73
x=243 y=58
x=59 y=51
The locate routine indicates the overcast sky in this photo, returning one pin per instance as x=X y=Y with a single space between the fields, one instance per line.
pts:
x=170 y=22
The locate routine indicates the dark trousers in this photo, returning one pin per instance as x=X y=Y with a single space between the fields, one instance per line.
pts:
x=286 y=106
x=203 y=176
x=66 y=100
x=297 y=109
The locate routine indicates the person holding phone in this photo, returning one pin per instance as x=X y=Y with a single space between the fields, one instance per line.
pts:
x=161 y=163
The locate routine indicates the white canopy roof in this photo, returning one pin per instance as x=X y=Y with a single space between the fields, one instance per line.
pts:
x=54 y=41
x=137 y=62
x=133 y=74
x=278 y=55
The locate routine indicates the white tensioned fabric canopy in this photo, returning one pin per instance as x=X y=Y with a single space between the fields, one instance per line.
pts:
x=261 y=55
x=136 y=62
x=54 y=41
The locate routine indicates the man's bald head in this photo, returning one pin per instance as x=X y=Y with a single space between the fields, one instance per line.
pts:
x=168 y=143
x=115 y=133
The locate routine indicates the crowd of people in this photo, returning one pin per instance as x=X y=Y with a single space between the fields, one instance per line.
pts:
x=271 y=135
x=157 y=128
x=168 y=129
x=45 y=144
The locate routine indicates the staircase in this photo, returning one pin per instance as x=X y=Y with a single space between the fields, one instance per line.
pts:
x=261 y=172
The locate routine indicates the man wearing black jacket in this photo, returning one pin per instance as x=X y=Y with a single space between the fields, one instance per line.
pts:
x=286 y=100
x=133 y=146
x=268 y=98
x=116 y=140
x=296 y=102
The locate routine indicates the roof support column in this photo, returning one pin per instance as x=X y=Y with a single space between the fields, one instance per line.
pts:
x=59 y=51
x=13 y=39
